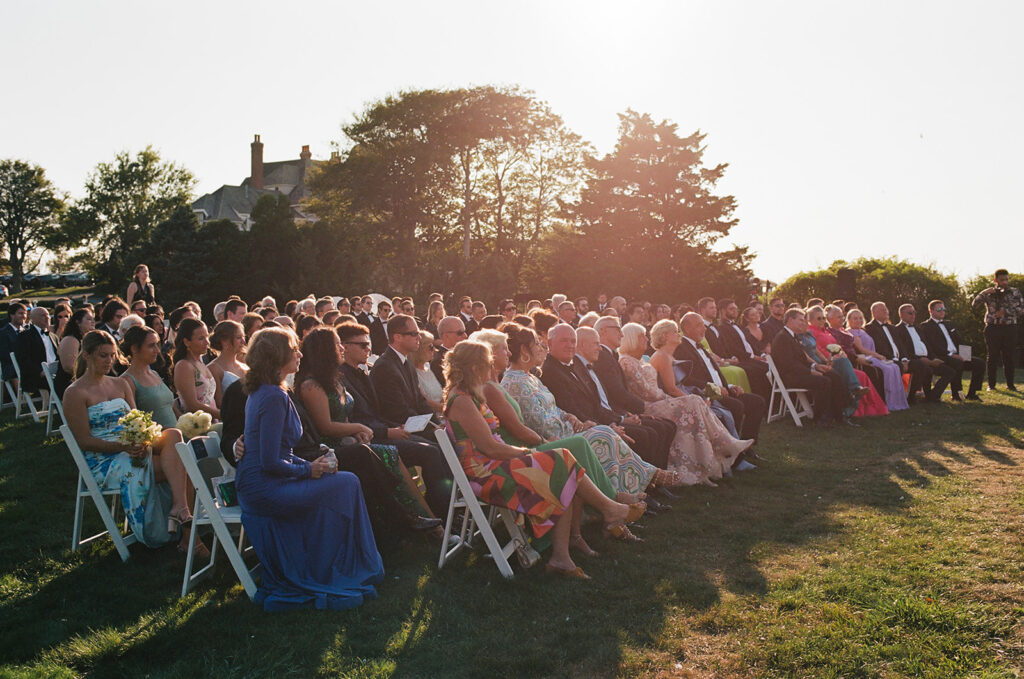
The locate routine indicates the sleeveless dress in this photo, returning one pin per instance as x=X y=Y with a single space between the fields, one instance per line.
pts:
x=146 y=503
x=895 y=394
x=312 y=536
x=387 y=454
x=577 y=445
x=157 y=400
x=540 y=485
x=206 y=389
x=703 y=449
x=227 y=380
x=626 y=470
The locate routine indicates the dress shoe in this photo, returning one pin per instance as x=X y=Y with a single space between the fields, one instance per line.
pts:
x=666 y=494
x=849 y=423
x=744 y=466
x=655 y=507
x=957 y=398
x=973 y=397
x=751 y=456
x=423 y=523
x=1012 y=388
x=573 y=573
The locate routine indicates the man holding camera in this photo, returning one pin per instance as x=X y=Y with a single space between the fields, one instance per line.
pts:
x=1003 y=307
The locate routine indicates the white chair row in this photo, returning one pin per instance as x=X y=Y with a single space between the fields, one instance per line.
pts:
x=19 y=397
x=794 y=402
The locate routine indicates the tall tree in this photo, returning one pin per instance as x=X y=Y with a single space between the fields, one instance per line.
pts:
x=649 y=220
x=30 y=208
x=123 y=203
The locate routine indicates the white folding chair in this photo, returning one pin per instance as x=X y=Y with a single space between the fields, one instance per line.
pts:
x=54 y=403
x=205 y=451
x=782 y=399
x=8 y=391
x=476 y=522
x=88 y=488
x=24 y=396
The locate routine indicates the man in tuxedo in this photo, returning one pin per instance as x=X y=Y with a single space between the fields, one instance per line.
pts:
x=772 y=325
x=567 y=313
x=394 y=376
x=413 y=449
x=235 y=310
x=582 y=306
x=450 y=330
x=736 y=347
x=891 y=343
x=828 y=389
x=35 y=345
x=576 y=392
x=915 y=347
x=111 y=315
x=365 y=316
x=707 y=307
x=602 y=302
x=466 y=312
x=597 y=348
x=746 y=410
x=16 y=314
x=479 y=310
x=943 y=341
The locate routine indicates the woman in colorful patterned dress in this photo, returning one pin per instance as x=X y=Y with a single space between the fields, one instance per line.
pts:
x=197 y=389
x=549 y=487
x=386 y=480
x=154 y=488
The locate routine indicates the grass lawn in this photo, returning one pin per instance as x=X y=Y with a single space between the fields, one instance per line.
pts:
x=892 y=550
x=53 y=292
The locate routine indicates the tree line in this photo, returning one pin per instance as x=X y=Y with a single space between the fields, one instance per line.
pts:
x=483 y=190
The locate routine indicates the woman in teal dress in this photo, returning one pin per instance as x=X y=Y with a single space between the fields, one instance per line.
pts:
x=154 y=488
x=141 y=345
x=330 y=407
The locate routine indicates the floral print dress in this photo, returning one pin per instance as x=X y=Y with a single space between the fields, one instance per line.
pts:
x=146 y=503
x=703 y=448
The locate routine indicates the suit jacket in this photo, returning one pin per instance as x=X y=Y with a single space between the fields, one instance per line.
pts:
x=730 y=341
x=789 y=356
x=771 y=327
x=576 y=394
x=364 y=318
x=614 y=382
x=8 y=343
x=882 y=346
x=471 y=325
x=378 y=336
x=907 y=348
x=699 y=375
x=366 y=405
x=30 y=353
x=933 y=338
x=714 y=338
x=437 y=364
x=397 y=388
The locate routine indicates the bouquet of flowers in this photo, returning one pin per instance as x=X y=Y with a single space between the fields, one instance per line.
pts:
x=713 y=392
x=139 y=428
x=834 y=349
x=195 y=424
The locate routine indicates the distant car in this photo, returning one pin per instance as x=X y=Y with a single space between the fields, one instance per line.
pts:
x=47 y=280
x=75 y=278
x=7 y=279
x=29 y=281
x=3 y=290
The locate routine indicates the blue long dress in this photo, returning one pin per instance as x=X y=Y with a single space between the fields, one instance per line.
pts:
x=313 y=536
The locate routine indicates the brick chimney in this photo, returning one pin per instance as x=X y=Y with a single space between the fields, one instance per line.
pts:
x=305 y=155
x=256 y=171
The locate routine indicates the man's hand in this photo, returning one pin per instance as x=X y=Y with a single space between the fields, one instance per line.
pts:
x=630 y=418
x=736 y=391
x=622 y=434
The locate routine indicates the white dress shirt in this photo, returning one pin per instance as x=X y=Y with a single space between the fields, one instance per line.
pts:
x=743 y=338
x=919 y=348
x=597 y=383
x=707 y=361
x=51 y=353
x=892 y=342
x=950 y=347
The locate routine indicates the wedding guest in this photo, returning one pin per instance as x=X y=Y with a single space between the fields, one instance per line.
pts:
x=331 y=317
x=736 y=348
x=450 y=331
x=915 y=347
x=588 y=319
x=567 y=313
x=251 y=323
x=707 y=307
x=543 y=321
x=61 y=314
x=141 y=345
x=304 y=323
x=835 y=320
x=129 y=321
x=864 y=344
x=533 y=304
x=508 y=310
x=435 y=312
x=892 y=345
x=1004 y=308
x=269 y=313
x=944 y=343
x=322 y=306
x=141 y=287
x=16 y=314
x=228 y=340
x=490 y=322
x=427 y=382
x=547 y=486
x=111 y=315
x=81 y=322
x=235 y=310
x=479 y=310
x=307 y=522
x=218 y=311
x=754 y=332
x=153 y=487
x=828 y=389
x=466 y=310
x=34 y=346
x=821 y=345
x=378 y=329
x=197 y=389
x=394 y=376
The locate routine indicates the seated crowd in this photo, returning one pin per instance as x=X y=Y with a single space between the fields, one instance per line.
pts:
x=552 y=408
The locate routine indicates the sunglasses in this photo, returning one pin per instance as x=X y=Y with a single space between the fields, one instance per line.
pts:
x=412 y=333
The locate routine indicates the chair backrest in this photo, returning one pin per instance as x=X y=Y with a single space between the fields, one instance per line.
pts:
x=203 y=461
x=50 y=369
x=76 y=452
x=773 y=373
x=17 y=368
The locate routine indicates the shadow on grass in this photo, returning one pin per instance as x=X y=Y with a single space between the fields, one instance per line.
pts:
x=97 y=615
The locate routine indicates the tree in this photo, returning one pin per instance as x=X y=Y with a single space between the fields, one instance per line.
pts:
x=123 y=203
x=274 y=237
x=648 y=220
x=30 y=208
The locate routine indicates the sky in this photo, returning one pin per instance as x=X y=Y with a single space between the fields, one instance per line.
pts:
x=850 y=129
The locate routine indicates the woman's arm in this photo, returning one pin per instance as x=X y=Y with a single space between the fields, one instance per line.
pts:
x=506 y=414
x=270 y=416
x=77 y=415
x=861 y=349
x=314 y=398
x=217 y=373
x=464 y=411
x=185 y=385
x=133 y=289
x=668 y=376
x=67 y=352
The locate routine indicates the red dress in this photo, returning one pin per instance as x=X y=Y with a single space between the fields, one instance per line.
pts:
x=870 y=403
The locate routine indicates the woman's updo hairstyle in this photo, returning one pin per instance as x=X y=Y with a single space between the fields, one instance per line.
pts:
x=224 y=332
x=520 y=339
x=134 y=337
x=93 y=340
x=661 y=331
x=460 y=368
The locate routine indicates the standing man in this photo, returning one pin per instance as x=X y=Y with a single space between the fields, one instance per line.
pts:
x=1003 y=307
x=943 y=341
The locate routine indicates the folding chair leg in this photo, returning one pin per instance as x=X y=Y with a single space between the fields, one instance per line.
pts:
x=111 y=525
x=76 y=534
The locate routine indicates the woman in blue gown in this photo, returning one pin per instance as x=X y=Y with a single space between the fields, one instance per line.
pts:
x=307 y=522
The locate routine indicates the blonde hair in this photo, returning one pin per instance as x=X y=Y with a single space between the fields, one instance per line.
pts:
x=93 y=340
x=459 y=365
x=634 y=338
x=589 y=319
x=268 y=351
x=662 y=330
x=495 y=339
x=422 y=353
x=855 y=311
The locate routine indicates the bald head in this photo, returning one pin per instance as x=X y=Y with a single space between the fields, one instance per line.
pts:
x=40 y=317
x=562 y=342
x=692 y=326
x=588 y=344
x=880 y=312
x=450 y=330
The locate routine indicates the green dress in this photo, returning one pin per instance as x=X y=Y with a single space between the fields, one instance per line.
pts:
x=158 y=400
x=577 y=445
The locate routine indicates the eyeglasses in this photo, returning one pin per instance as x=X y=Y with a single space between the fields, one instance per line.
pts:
x=364 y=345
x=411 y=333
x=940 y=308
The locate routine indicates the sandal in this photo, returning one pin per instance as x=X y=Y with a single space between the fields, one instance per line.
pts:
x=669 y=479
x=622 y=533
x=574 y=573
x=619 y=530
x=199 y=549
x=577 y=542
x=177 y=519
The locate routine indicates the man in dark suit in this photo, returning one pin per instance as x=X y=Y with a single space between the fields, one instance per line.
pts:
x=450 y=331
x=747 y=410
x=597 y=348
x=827 y=387
x=773 y=325
x=478 y=313
x=35 y=345
x=892 y=344
x=736 y=347
x=16 y=313
x=943 y=342
x=379 y=328
x=393 y=375
x=413 y=449
x=581 y=398
x=707 y=307
x=915 y=347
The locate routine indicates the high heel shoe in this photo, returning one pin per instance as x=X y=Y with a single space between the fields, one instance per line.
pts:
x=177 y=519
x=619 y=530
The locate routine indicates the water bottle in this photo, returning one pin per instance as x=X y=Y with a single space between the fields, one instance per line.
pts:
x=332 y=459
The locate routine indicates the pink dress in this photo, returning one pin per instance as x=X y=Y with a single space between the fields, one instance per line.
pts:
x=870 y=403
